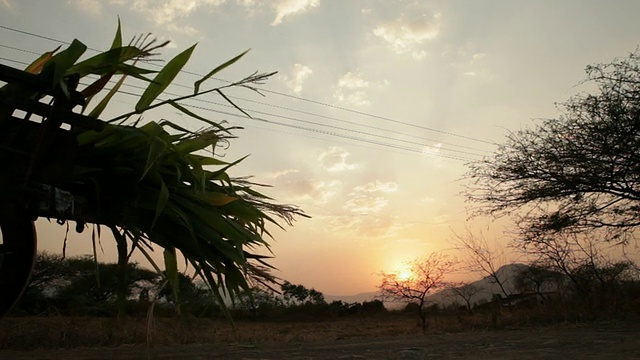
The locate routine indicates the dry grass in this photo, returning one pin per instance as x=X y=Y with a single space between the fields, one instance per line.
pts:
x=26 y=333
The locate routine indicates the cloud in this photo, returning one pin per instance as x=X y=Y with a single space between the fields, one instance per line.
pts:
x=433 y=152
x=317 y=191
x=299 y=74
x=404 y=36
x=352 y=81
x=167 y=11
x=91 y=7
x=282 y=173
x=377 y=186
x=367 y=199
x=295 y=186
x=363 y=225
x=334 y=159
x=7 y=3
x=186 y=29
x=286 y=8
x=252 y=7
x=365 y=204
x=350 y=89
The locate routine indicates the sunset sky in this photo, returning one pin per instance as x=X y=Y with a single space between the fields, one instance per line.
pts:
x=374 y=111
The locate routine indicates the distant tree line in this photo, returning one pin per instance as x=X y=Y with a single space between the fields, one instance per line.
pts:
x=81 y=286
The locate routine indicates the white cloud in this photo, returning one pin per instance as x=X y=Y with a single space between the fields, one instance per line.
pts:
x=186 y=29
x=317 y=191
x=433 y=152
x=286 y=8
x=248 y=3
x=167 y=11
x=350 y=89
x=356 y=97
x=334 y=159
x=91 y=7
x=376 y=186
x=352 y=81
x=363 y=225
x=366 y=199
x=279 y=174
x=366 y=204
x=299 y=74
x=404 y=36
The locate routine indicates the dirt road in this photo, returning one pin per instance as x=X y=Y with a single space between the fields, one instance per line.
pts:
x=593 y=341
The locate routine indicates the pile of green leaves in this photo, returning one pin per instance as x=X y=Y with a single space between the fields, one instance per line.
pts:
x=158 y=182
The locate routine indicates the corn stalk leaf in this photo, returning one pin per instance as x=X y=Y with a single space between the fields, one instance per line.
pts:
x=156 y=150
x=57 y=67
x=117 y=39
x=163 y=79
x=196 y=85
x=196 y=116
x=36 y=66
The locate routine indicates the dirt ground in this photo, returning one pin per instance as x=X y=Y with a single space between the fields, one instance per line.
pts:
x=604 y=340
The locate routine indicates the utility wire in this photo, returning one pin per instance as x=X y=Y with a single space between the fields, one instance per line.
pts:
x=289 y=96
x=324 y=132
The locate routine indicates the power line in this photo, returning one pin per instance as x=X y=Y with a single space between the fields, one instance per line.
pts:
x=291 y=96
x=324 y=132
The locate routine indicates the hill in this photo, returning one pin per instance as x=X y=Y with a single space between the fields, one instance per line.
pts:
x=485 y=287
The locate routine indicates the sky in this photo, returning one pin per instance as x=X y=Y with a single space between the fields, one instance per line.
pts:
x=376 y=109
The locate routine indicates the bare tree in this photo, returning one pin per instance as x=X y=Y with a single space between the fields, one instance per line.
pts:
x=583 y=259
x=427 y=275
x=480 y=257
x=539 y=279
x=466 y=292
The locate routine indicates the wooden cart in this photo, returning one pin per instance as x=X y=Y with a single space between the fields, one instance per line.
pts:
x=37 y=148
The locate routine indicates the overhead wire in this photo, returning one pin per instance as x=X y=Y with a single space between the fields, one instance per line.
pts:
x=329 y=133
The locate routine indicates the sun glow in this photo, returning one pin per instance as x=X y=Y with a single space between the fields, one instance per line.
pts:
x=404 y=273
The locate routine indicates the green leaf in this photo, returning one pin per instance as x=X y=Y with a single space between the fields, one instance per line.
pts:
x=95 y=113
x=205 y=160
x=196 y=116
x=163 y=199
x=196 y=85
x=117 y=40
x=105 y=62
x=156 y=149
x=163 y=79
x=36 y=66
x=219 y=199
x=57 y=67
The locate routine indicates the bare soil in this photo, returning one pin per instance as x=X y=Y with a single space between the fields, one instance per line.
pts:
x=371 y=338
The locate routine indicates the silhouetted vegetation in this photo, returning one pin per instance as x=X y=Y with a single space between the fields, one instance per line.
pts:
x=574 y=173
x=79 y=286
x=426 y=276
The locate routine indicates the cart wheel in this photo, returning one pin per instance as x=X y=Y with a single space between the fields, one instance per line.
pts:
x=17 y=256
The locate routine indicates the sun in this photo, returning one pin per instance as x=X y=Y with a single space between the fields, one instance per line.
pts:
x=404 y=273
